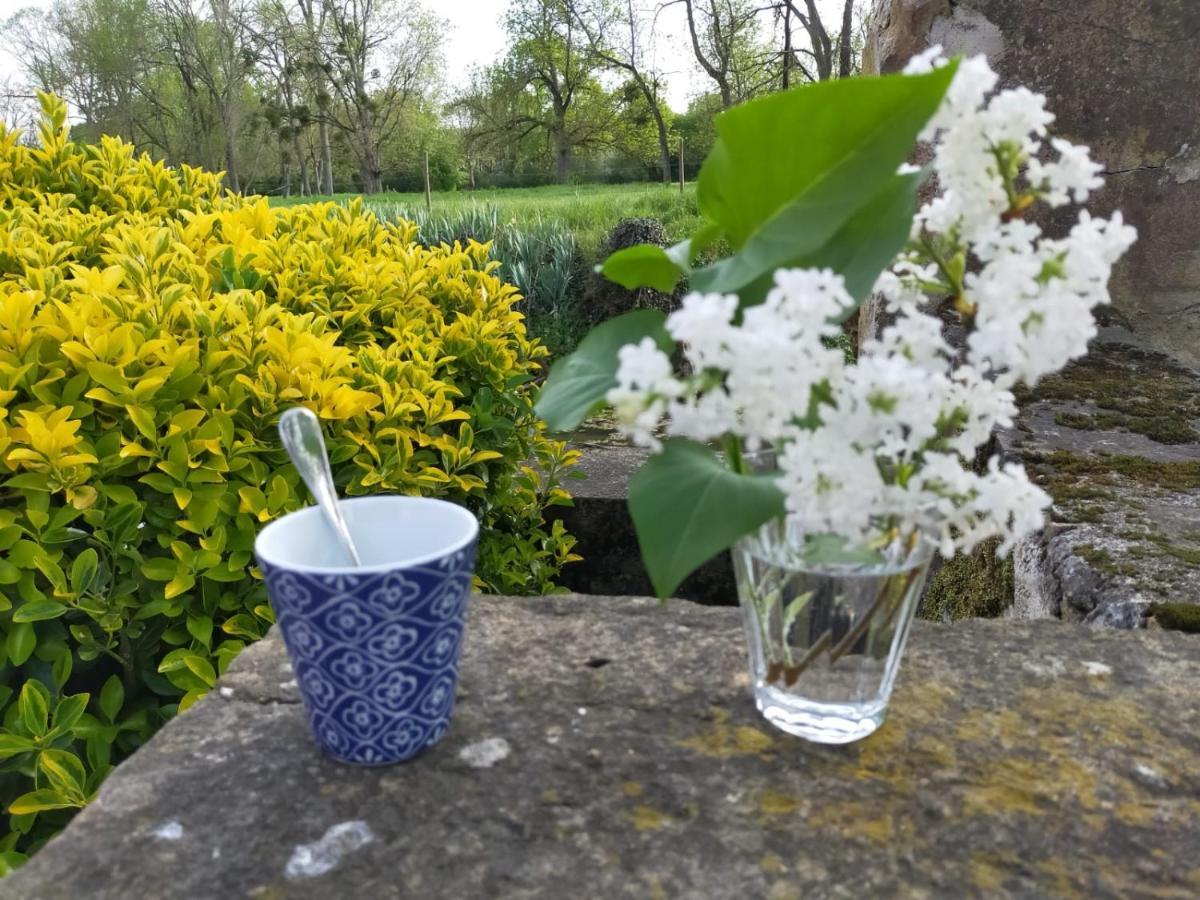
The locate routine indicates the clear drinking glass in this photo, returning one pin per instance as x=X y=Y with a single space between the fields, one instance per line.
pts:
x=825 y=643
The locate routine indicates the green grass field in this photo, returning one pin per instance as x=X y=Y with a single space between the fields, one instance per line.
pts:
x=587 y=211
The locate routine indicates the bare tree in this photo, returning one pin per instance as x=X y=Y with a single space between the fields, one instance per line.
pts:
x=377 y=55
x=618 y=36
x=724 y=37
x=824 y=57
x=94 y=54
x=281 y=52
x=312 y=14
x=214 y=53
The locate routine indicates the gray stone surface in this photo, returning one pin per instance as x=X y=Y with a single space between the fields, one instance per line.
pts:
x=1121 y=77
x=1114 y=440
x=612 y=561
x=607 y=747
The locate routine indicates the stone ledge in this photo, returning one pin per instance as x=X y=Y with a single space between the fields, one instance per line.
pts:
x=1114 y=440
x=608 y=747
x=612 y=560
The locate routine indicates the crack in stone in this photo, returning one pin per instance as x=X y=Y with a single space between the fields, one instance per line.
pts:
x=256 y=701
x=1108 y=172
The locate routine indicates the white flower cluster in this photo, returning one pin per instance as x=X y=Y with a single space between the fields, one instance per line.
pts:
x=885 y=446
x=1032 y=297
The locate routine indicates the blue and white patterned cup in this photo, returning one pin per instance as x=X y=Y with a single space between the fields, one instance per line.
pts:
x=375 y=648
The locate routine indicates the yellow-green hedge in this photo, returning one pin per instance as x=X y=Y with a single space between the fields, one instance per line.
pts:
x=151 y=331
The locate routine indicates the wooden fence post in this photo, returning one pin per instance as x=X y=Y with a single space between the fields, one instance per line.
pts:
x=682 y=175
x=428 y=193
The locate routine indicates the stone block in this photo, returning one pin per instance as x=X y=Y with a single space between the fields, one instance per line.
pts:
x=608 y=747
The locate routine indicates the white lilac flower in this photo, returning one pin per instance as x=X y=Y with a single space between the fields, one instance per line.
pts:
x=889 y=441
x=1073 y=176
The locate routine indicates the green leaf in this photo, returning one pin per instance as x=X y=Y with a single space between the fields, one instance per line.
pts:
x=112 y=698
x=10 y=861
x=83 y=571
x=143 y=420
x=188 y=669
x=646 y=265
x=29 y=481
x=39 y=611
x=687 y=506
x=69 y=710
x=9 y=574
x=858 y=250
x=20 y=643
x=243 y=625
x=14 y=744
x=202 y=669
x=40 y=801
x=108 y=376
x=180 y=584
x=577 y=384
x=870 y=239
x=200 y=627
x=827 y=147
x=34 y=705
x=160 y=568
x=65 y=771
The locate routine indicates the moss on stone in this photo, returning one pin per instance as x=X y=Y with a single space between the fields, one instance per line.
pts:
x=1177 y=616
x=1187 y=554
x=1101 y=560
x=1162 y=429
x=1071 y=476
x=1138 y=392
x=979 y=585
x=1090 y=514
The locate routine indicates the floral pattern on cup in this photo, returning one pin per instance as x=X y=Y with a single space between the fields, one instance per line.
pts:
x=376 y=654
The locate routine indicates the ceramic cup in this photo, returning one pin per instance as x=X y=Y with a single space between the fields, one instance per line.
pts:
x=375 y=648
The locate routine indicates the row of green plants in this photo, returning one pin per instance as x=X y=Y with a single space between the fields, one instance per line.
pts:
x=152 y=329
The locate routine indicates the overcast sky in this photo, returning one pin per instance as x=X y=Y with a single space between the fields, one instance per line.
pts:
x=476 y=37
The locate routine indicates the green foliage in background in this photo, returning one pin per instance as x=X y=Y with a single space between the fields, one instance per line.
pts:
x=151 y=332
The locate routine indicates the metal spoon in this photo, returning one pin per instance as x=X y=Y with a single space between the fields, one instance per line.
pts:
x=301 y=433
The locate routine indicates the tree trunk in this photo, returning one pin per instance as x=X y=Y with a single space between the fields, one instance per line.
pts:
x=299 y=157
x=326 y=167
x=845 y=57
x=664 y=141
x=231 y=174
x=562 y=157
x=785 y=81
x=369 y=166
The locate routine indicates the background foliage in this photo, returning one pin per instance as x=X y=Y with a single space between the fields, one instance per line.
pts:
x=151 y=330
x=315 y=96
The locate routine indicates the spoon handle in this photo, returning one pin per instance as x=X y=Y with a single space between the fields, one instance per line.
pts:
x=301 y=433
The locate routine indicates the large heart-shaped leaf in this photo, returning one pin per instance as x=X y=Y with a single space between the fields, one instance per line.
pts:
x=577 y=384
x=687 y=506
x=859 y=250
x=824 y=149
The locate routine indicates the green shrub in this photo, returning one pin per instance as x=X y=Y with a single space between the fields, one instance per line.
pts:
x=151 y=331
x=541 y=259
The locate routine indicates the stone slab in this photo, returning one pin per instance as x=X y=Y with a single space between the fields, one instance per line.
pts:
x=612 y=560
x=1115 y=439
x=607 y=747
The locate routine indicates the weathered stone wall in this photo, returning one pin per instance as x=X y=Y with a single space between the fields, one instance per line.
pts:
x=1123 y=78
